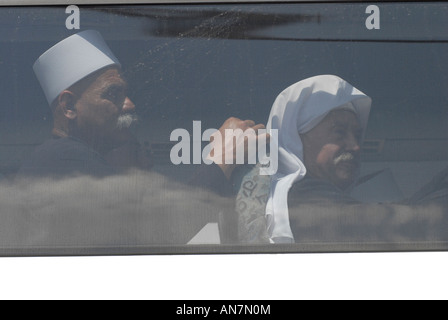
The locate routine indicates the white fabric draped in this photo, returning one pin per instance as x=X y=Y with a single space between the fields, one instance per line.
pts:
x=298 y=109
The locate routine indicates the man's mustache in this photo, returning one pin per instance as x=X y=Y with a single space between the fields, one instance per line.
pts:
x=126 y=120
x=346 y=156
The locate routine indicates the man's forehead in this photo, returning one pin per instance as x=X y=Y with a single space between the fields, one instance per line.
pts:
x=111 y=75
x=343 y=117
x=107 y=80
x=100 y=80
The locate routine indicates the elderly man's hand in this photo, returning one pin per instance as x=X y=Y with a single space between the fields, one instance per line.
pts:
x=235 y=136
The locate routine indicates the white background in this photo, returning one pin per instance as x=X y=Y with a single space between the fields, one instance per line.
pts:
x=253 y=277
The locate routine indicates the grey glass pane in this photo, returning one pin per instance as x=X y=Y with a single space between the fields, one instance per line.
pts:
x=205 y=63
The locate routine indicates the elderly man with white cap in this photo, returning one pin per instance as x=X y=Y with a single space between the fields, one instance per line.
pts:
x=82 y=81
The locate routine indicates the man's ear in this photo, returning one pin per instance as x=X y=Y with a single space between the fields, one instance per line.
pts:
x=66 y=102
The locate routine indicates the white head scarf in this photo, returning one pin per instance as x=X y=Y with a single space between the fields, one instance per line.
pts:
x=297 y=110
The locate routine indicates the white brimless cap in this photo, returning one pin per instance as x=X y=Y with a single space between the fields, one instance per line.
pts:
x=71 y=60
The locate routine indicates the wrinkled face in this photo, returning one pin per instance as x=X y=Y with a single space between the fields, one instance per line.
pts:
x=103 y=105
x=332 y=148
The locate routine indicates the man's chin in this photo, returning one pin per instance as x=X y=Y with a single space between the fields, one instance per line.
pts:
x=346 y=178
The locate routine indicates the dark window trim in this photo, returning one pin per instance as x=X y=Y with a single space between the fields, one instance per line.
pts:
x=128 y=2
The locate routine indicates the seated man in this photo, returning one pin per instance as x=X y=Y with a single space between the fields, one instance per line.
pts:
x=92 y=114
x=321 y=123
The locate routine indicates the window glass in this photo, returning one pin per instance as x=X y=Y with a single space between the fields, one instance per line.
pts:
x=104 y=143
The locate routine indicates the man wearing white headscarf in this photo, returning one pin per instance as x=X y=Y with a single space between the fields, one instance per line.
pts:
x=321 y=122
x=330 y=156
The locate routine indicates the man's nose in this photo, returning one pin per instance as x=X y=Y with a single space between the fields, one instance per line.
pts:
x=353 y=144
x=128 y=106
